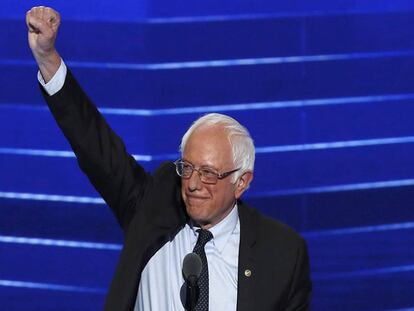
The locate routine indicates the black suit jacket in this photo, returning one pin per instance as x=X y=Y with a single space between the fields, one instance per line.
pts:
x=150 y=210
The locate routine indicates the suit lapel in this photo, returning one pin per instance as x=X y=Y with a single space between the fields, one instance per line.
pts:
x=247 y=263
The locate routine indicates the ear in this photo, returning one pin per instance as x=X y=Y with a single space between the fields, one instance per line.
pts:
x=243 y=183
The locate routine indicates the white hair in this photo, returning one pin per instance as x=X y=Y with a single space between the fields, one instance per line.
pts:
x=239 y=138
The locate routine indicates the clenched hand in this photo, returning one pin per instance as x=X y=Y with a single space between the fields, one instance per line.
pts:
x=43 y=24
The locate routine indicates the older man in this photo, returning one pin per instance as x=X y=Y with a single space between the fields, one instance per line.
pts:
x=250 y=262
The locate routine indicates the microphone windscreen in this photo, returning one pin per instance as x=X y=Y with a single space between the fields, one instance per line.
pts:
x=192 y=266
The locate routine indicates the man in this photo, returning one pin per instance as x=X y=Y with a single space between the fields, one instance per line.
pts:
x=250 y=262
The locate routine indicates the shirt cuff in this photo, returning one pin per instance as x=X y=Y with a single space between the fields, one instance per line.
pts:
x=57 y=81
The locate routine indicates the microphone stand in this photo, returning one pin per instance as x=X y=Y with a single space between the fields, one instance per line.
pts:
x=192 y=293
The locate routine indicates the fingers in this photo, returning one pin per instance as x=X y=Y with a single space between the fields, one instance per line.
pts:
x=38 y=19
x=43 y=23
x=37 y=25
x=51 y=17
x=34 y=24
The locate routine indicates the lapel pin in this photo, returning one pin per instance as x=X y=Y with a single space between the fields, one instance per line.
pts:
x=247 y=272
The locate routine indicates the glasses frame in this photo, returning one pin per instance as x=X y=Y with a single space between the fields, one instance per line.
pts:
x=219 y=176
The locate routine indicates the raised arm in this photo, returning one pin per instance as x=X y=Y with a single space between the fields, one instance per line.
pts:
x=101 y=154
x=43 y=24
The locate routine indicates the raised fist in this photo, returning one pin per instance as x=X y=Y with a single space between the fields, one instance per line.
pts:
x=43 y=24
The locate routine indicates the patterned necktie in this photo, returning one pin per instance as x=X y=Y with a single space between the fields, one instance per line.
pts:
x=203 y=237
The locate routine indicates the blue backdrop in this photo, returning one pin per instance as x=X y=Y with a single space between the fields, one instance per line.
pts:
x=326 y=88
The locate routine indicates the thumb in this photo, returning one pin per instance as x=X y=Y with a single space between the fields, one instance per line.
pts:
x=37 y=25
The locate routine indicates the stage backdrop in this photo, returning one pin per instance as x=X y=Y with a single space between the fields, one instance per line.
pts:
x=326 y=88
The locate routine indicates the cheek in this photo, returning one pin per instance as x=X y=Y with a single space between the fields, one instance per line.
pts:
x=184 y=183
x=183 y=186
x=220 y=197
x=227 y=195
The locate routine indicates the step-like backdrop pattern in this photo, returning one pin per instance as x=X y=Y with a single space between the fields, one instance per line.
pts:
x=326 y=88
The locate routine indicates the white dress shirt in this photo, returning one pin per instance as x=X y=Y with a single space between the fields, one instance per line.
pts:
x=161 y=279
x=57 y=81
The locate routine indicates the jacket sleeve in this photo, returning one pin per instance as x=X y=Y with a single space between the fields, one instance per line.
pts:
x=301 y=285
x=101 y=154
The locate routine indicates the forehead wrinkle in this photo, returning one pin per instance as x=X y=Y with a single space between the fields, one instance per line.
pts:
x=222 y=127
x=213 y=137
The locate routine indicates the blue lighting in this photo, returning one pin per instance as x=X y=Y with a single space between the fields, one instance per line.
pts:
x=362 y=273
x=51 y=197
x=259 y=150
x=235 y=107
x=38 y=152
x=260 y=105
x=356 y=230
x=220 y=63
x=325 y=87
x=276 y=193
x=336 y=188
x=337 y=144
x=57 y=153
x=59 y=243
x=241 y=17
x=55 y=287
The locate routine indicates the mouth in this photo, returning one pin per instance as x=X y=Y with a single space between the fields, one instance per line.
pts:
x=192 y=199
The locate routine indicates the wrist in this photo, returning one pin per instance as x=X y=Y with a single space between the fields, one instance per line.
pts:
x=48 y=63
x=45 y=56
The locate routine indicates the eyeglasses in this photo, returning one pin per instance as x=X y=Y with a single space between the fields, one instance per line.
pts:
x=207 y=174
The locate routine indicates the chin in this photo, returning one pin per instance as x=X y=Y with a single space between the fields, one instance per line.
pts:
x=196 y=213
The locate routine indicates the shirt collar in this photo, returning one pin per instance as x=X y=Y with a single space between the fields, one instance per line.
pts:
x=223 y=230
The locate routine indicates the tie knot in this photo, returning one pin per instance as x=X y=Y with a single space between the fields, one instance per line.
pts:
x=203 y=237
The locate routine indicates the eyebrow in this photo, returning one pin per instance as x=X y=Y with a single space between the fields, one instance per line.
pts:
x=202 y=166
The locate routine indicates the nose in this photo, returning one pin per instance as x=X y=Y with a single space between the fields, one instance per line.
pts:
x=194 y=182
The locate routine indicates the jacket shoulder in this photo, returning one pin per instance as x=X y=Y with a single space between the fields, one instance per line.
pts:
x=269 y=229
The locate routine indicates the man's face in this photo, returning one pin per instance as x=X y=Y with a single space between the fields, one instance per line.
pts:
x=208 y=204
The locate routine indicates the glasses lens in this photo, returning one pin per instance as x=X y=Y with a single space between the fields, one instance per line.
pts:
x=187 y=170
x=179 y=167
x=184 y=169
x=208 y=176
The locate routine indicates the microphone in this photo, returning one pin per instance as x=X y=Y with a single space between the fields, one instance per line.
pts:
x=192 y=266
